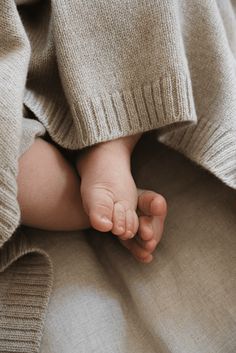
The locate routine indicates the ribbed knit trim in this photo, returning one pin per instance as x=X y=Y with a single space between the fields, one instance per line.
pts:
x=25 y=286
x=196 y=143
x=9 y=208
x=152 y=105
x=31 y=129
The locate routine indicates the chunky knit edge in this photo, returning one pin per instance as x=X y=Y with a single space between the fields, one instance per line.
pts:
x=196 y=142
x=25 y=277
x=9 y=208
x=164 y=101
x=25 y=287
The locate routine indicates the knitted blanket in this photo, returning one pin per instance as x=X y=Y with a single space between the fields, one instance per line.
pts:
x=95 y=70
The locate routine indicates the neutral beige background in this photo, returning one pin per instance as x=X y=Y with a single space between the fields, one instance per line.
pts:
x=103 y=301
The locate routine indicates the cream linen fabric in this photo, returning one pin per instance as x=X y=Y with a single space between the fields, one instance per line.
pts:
x=184 y=302
x=96 y=70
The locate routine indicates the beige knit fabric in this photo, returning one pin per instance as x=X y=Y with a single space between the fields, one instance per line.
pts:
x=96 y=70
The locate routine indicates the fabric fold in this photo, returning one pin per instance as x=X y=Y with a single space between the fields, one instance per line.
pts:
x=89 y=84
x=93 y=71
x=196 y=143
x=9 y=208
x=150 y=106
x=25 y=287
x=25 y=272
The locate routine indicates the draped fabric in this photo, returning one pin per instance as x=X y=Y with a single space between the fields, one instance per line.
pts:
x=92 y=71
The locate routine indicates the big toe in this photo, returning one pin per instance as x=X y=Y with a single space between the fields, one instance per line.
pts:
x=151 y=203
x=98 y=204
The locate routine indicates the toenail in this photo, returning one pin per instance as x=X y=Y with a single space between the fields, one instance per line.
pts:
x=149 y=259
x=151 y=244
x=150 y=226
x=130 y=234
x=106 y=220
x=146 y=259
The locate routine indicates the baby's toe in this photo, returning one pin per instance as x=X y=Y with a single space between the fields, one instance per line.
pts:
x=150 y=229
x=152 y=204
x=100 y=212
x=145 y=231
x=149 y=245
x=147 y=237
x=137 y=250
x=119 y=219
x=158 y=207
x=131 y=226
x=158 y=227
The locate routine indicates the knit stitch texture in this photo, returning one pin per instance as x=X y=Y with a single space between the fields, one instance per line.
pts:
x=96 y=70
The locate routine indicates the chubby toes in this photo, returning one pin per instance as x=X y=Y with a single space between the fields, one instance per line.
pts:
x=152 y=208
x=125 y=222
x=106 y=214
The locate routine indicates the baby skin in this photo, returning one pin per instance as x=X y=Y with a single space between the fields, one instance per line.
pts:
x=112 y=201
x=52 y=197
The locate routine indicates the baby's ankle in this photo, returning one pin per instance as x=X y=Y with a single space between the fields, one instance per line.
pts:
x=120 y=149
x=127 y=143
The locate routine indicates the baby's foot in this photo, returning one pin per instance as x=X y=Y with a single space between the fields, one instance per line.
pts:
x=108 y=191
x=152 y=212
x=110 y=198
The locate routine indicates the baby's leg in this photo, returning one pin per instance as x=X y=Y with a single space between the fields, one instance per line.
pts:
x=49 y=190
